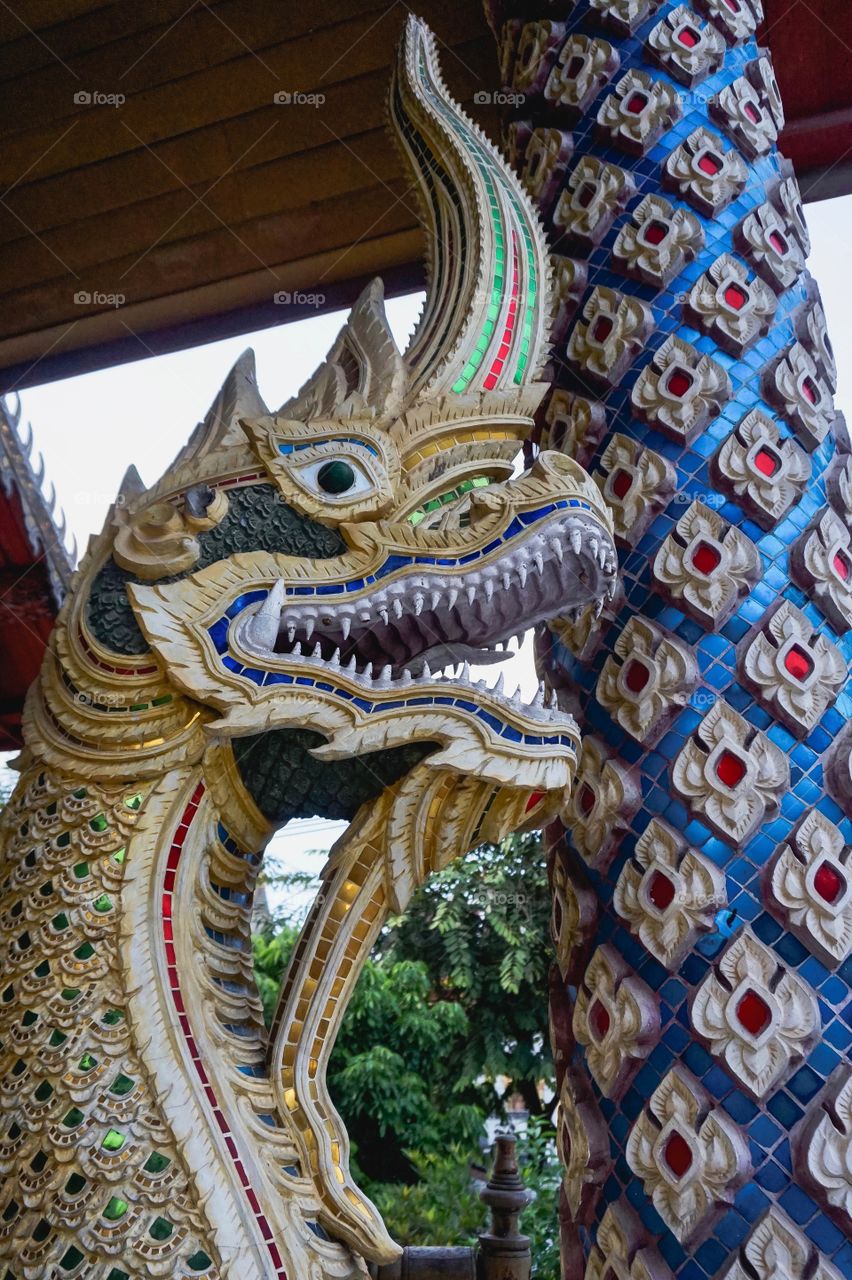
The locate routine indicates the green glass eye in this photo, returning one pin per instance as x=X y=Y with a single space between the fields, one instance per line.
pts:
x=335 y=477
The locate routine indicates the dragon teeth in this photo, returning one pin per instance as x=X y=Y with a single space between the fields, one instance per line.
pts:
x=471 y=594
x=309 y=628
x=384 y=615
x=539 y=561
x=346 y=625
x=507 y=581
x=576 y=541
x=397 y=608
x=489 y=589
x=334 y=660
x=297 y=649
x=522 y=574
x=418 y=605
x=352 y=666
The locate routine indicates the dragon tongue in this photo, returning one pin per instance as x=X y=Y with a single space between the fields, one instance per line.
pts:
x=440 y=655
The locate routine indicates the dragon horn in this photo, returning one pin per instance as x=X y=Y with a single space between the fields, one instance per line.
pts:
x=485 y=324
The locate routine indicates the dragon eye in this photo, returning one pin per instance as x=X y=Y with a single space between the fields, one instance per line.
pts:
x=336 y=477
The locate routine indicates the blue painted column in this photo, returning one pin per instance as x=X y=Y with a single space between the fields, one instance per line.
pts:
x=701 y=1009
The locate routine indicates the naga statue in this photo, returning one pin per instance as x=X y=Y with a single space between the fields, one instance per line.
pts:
x=253 y=639
x=702 y=886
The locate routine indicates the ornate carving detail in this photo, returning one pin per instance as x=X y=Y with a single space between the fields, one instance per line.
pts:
x=777 y=1250
x=624 y=16
x=756 y=1015
x=731 y=774
x=706 y=565
x=603 y=801
x=824 y=1148
x=812 y=332
x=680 y=391
x=584 y=66
x=616 y=1019
x=638 y=112
x=535 y=50
x=765 y=473
x=575 y=911
x=583 y=1144
x=574 y=425
x=572 y=276
x=809 y=887
x=691 y=1157
x=657 y=241
x=788 y=200
x=622 y=1250
x=610 y=335
x=597 y=192
x=582 y=634
x=838 y=486
x=821 y=562
x=766 y=239
x=546 y=158
x=685 y=47
x=647 y=680
x=734 y=310
x=636 y=482
x=795 y=386
x=762 y=75
x=702 y=172
x=795 y=671
x=746 y=113
x=669 y=894
x=737 y=20
x=162 y=538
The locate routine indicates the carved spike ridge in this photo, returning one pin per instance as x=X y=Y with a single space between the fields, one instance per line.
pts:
x=485 y=324
x=238 y=398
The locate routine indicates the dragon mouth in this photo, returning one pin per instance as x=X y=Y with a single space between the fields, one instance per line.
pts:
x=422 y=621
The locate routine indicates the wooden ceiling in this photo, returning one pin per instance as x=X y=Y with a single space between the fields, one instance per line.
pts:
x=199 y=198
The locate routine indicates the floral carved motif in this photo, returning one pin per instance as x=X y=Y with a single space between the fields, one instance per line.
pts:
x=571 y=279
x=824 y=1149
x=658 y=241
x=536 y=49
x=763 y=472
x=547 y=155
x=597 y=192
x=616 y=1019
x=796 y=387
x=680 y=391
x=809 y=887
x=767 y=241
x=573 y=425
x=624 y=16
x=795 y=671
x=778 y=1250
x=583 y=1144
x=669 y=894
x=821 y=562
x=622 y=1250
x=684 y=46
x=736 y=22
x=691 y=1157
x=603 y=800
x=788 y=199
x=582 y=633
x=638 y=112
x=729 y=306
x=636 y=482
x=706 y=566
x=702 y=172
x=745 y=111
x=573 y=916
x=610 y=335
x=812 y=332
x=731 y=774
x=838 y=486
x=584 y=66
x=758 y=1017
x=647 y=680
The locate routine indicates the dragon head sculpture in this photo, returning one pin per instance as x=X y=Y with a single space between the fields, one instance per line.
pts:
x=271 y=613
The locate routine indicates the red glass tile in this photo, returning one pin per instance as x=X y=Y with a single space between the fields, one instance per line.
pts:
x=170 y=953
x=636 y=676
x=586 y=194
x=798 y=663
x=678 y=1155
x=706 y=558
x=167 y=930
x=710 y=164
x=779 y=244
x=655 y=232
x=810 y=391
x=169 y=881
x=587 y=799
x=753 y=1013
x=766 y=462
x=841 y=566
x=221 y=1121
x=202 y=1074
x=828 y=883
x=275 y=1255
x=490 y=382
x=661 y=891
x=232 y=1148
x=534 y=799
x=184 y=1024
x=637 y=103
x=602 y=328
x=575 y=66
x=689 y=37
x=241 y=1173
x=679 y=382
x=736 y=297
x=177 y=1000
x=599 y=1019
x=752 y=112
x=733 y=5
x=253 y=1200
x=167 y=905
x=622 y=483
x=730 y=769
x=503 y=352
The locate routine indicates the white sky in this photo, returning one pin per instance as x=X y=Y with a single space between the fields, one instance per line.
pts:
x=90 y=428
